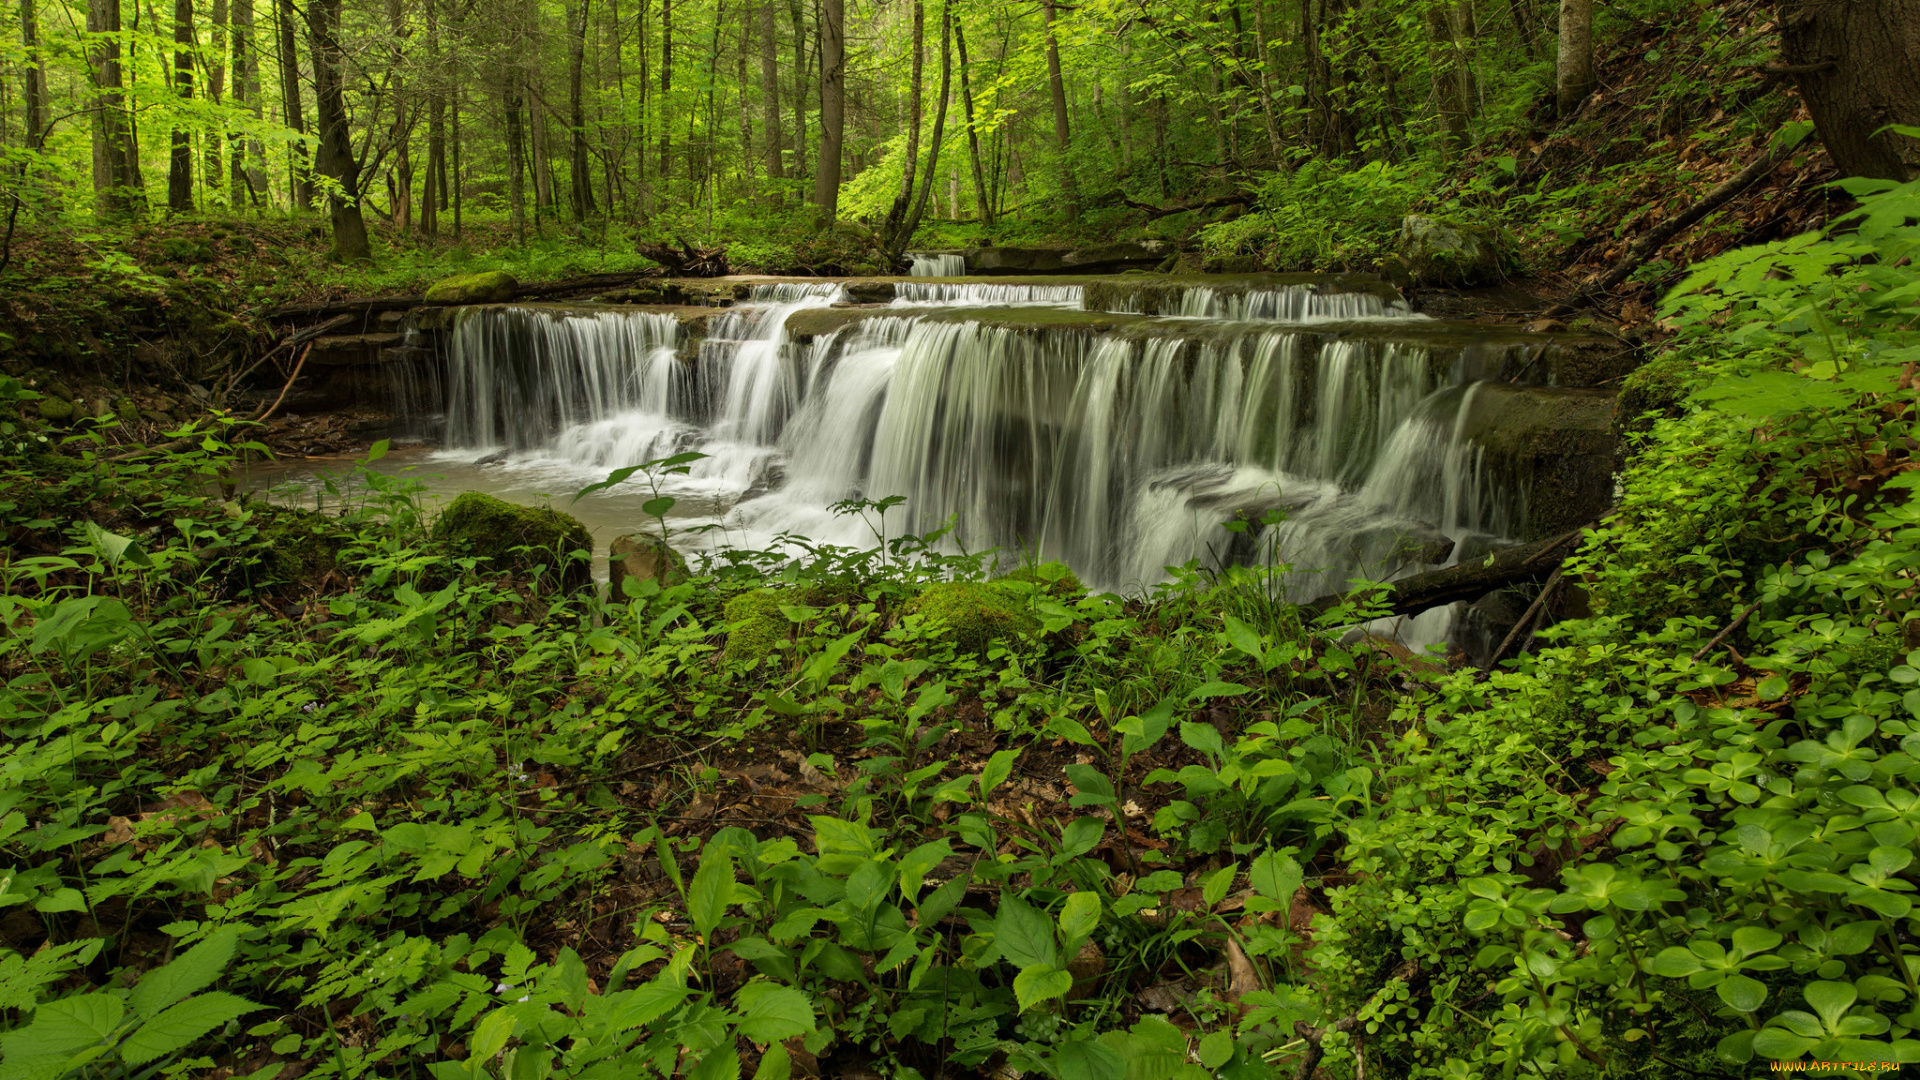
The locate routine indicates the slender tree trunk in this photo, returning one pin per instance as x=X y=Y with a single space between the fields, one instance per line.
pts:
x=213 y=64
x=401 y=178
x=905 y=236
x=800 y=84
x=833 y=103
x=666 y=95
x=516 y=156
x=34 y=79
x=454 y=194
x=1575 y=64
x=245 y=179
x=1857 y=66
x=1062 y=134
x=581 y=164
x=180 y=163
x=1444 y=62
x=113 y=188
x=300 y=181
x=981 y=194
x=1269 y=116
x=644 y=142
x=904 y=199
x=1524 y=27
x=335 y=159
x=435 y=195
x=770 y=102
x=749 y=162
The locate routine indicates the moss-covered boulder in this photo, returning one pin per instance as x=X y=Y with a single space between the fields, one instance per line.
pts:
x=640 y=557
x=1657 y=388
x=296 y=547
x=976 y=615
x=1442 y=251
x=1053 y=578
x=53 y=410
x=755 y=624
x=486 y=287
x=516 y=538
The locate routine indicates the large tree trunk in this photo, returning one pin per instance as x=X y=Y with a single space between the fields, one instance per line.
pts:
x=833 y=102
x=115 y=190
x=1857 y=65
x=1448 y=87
x=299 y=180
x=770 y=101
x=516 y=156
x=581 y=165
x=335 y=159
x=180 y=163
x=981 y=194
x=1062 y=134
x=34 y=79
x=1575 y=65
x=800 y=84
x=905 y=235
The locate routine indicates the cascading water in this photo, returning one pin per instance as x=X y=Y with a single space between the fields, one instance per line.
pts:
x=1292 y=303
x=1120 y=453
x=983 y=294
x=936 y=264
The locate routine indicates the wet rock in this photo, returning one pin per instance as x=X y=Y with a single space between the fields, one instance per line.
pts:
x=641 y=557
x=498 y=457
x=1106 y=258
x=516 y=538
x=1481 y=626
x=1555 y=445
x=346 y=349
x=1442 y=251
x=486 y=287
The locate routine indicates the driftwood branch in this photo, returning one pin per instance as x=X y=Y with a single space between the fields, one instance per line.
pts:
x=1533 y=613
x=1468 y=580
x=1656 y=238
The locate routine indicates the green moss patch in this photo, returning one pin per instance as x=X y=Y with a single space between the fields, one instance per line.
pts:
x=486 y=287
x=515 y=538
x=974 y=614
x=755 y=624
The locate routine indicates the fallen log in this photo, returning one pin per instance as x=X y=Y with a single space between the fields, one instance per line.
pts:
x=1468 y=580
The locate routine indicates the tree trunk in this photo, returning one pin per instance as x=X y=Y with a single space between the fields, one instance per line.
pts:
x=402 y=175
x=335 y=159
x=799 y=90
x=299 y=180
x=981 y=194
x=454 y=193
x=516 y=156
x=666 y=95
x=213 y=64
x=1444 y=63
x=1269 y=117
x=246 y=180
x=902 y=201
x=770 y=102
x=905 y=236
x=1062 y=134
x=1575 y=64
x=34 y=80
x=581 y=164
x=435 y=195
x=115 y=191
x=1857 y=66
x=833 y=101
x=180 y=163
x=749 y=163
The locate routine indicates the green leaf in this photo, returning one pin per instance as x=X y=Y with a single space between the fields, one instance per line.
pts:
x=775 y=1064
x=1204 y=738
x=1243 y=637
x=1218 y=689
x=1080 y=836
x=997 y=769
x=115 y=549
x=1674 y=963
x=1079 y=915
x=710 y=892
x=1216 y=1049
x=72 y=1023
x=1214 y=888
x=771 y=1013
x=1275 y=875
x=189 y=973
x=644 y=1004
x=490 y=1035
x=1088 y=1060
x=1742 y=994
x=1024 y=934
x=1040 y=982
x=180 y=1026
x=721 y=1063
x=1094 y=787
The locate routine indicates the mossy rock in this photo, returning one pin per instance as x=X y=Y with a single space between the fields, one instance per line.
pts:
x=516 y=538
x=641 y=556
x=1053 y=578
x=1441 y=251
x=976 y=615
x=53 y=410
x=1657 y=388
x=486 y=287
x=298 y=547
x=755 y=624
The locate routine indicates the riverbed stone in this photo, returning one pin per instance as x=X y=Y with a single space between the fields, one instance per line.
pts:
x=516 y=538
x=485 y=287
x=54 y=410
x=756 y=625
x=1442 y=251
x=641 y=557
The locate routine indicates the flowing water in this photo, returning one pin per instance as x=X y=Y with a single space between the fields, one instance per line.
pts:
x=937 y=264
x=1119 y=449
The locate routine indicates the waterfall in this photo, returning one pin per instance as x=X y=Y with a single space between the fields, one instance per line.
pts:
x=1119 y=453
x=1292 y=303
x=982 y=294
x=937 y=264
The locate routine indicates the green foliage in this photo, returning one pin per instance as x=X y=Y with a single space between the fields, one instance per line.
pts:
x=977 y=615
x=1327 y=215
x=513 y=537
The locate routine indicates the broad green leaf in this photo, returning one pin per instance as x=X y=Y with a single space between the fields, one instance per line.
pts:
x=644 y=1004
x=189 y=973
x=1216 y=1049
x=710 y=892
x=721 y=1063
x=1742 y=994
x=1079 y=915
x=1080 y=836
x=1674 y=963
x=997 y=769
x=1275 y=875
x=770 y=1013
x=1088 y=1060
x=1218 y=689
x=179 y=1026
x=1025 y=936
x=775 y=1064
x=1040 y=982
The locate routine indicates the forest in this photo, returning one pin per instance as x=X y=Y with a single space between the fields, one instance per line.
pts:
x=921 y=539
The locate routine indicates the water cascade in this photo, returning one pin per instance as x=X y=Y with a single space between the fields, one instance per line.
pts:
x=937 y=264
x=1117 y=445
